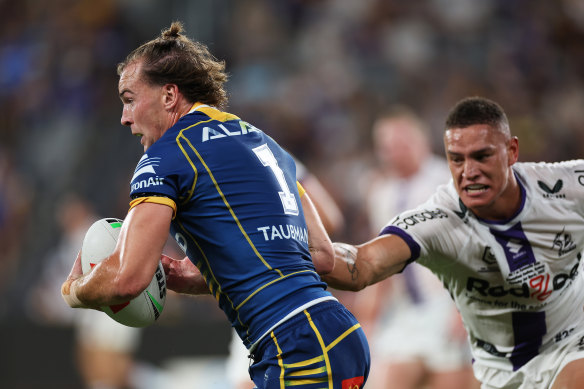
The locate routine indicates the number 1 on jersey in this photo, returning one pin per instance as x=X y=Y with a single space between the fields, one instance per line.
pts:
x=267 y=158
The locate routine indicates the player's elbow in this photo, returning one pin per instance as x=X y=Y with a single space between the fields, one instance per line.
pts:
x=125 y=293
x=324 y=266
x=128 y=288
x=356 y=285
x=342 y=284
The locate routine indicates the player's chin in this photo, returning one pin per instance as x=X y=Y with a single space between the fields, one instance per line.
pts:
x=478 y=205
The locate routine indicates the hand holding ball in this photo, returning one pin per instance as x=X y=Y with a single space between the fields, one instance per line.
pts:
x=99 y=243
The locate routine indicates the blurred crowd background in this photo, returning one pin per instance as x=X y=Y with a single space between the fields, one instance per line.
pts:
x=313 y=74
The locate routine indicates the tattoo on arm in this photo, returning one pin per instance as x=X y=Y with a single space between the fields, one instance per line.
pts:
x=348 y=254
x=352 y=268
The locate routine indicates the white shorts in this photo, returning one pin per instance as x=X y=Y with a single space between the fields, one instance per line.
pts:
x=96 y=329
x=238 y=362
x=538 y=373
x=422 y=332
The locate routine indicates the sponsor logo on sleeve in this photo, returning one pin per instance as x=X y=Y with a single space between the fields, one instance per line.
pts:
x=419 y=217
x=553 y=192
x=580 y=176
x=146 y=165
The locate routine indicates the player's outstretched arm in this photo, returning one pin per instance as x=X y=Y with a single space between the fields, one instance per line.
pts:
x=359 y=266
x=319 y=243
x=182 y=276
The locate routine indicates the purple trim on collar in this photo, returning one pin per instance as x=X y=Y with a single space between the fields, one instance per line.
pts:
x=523 y=200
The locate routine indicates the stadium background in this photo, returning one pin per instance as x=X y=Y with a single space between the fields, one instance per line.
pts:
x=311 y=73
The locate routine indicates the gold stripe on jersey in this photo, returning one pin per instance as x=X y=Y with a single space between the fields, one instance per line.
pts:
x=185 y=144
x=212 y=283
x=308 y=362
x=305 y=371
x=155 y=200
x=343 y=336
x=301 y=373
x=301 y=189
x=280 y=361
x=192 y=190
x=323 y=347
x=212 y=177
x=270 y=283
x=214 y=113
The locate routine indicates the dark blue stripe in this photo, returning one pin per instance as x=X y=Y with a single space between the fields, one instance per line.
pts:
x=528 y=329
x=516 y=246
x=414 y=247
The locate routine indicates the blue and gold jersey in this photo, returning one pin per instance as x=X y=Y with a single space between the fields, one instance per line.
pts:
x=238 y=215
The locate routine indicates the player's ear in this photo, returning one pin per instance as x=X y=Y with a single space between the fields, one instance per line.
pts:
x=513 y=150
x=170 y=95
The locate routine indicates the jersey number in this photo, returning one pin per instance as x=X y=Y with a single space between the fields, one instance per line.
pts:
x=267 y=158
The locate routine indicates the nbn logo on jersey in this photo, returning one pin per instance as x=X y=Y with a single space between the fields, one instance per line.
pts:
x=146 y=165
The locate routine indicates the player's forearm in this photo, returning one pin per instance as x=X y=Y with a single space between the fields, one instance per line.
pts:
x=75 y=293
x=356 y=267
x=346 y=274
x=91 y=293
x=197 y=285
x=103 y=286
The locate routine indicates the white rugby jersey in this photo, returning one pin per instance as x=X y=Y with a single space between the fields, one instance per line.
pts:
x=518 y=284
x=388 y=197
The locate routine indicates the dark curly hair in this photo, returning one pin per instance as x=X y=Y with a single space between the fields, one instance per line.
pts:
x=172 y=58
x=477 y=110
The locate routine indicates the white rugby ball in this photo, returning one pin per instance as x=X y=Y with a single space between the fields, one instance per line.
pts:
x=99 y=243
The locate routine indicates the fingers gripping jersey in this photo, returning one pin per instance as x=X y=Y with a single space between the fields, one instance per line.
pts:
x=238 y=217
x=518 y=284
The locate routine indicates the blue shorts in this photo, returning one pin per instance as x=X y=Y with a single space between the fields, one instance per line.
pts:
x=324 y=346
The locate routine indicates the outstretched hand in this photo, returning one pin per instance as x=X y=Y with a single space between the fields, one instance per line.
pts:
x=182 y=276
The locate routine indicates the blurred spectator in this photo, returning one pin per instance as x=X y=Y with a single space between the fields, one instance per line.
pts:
x=321 y=71
x=15 y=202
x=316 y=72
x=417 y=337
x=105 y=350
